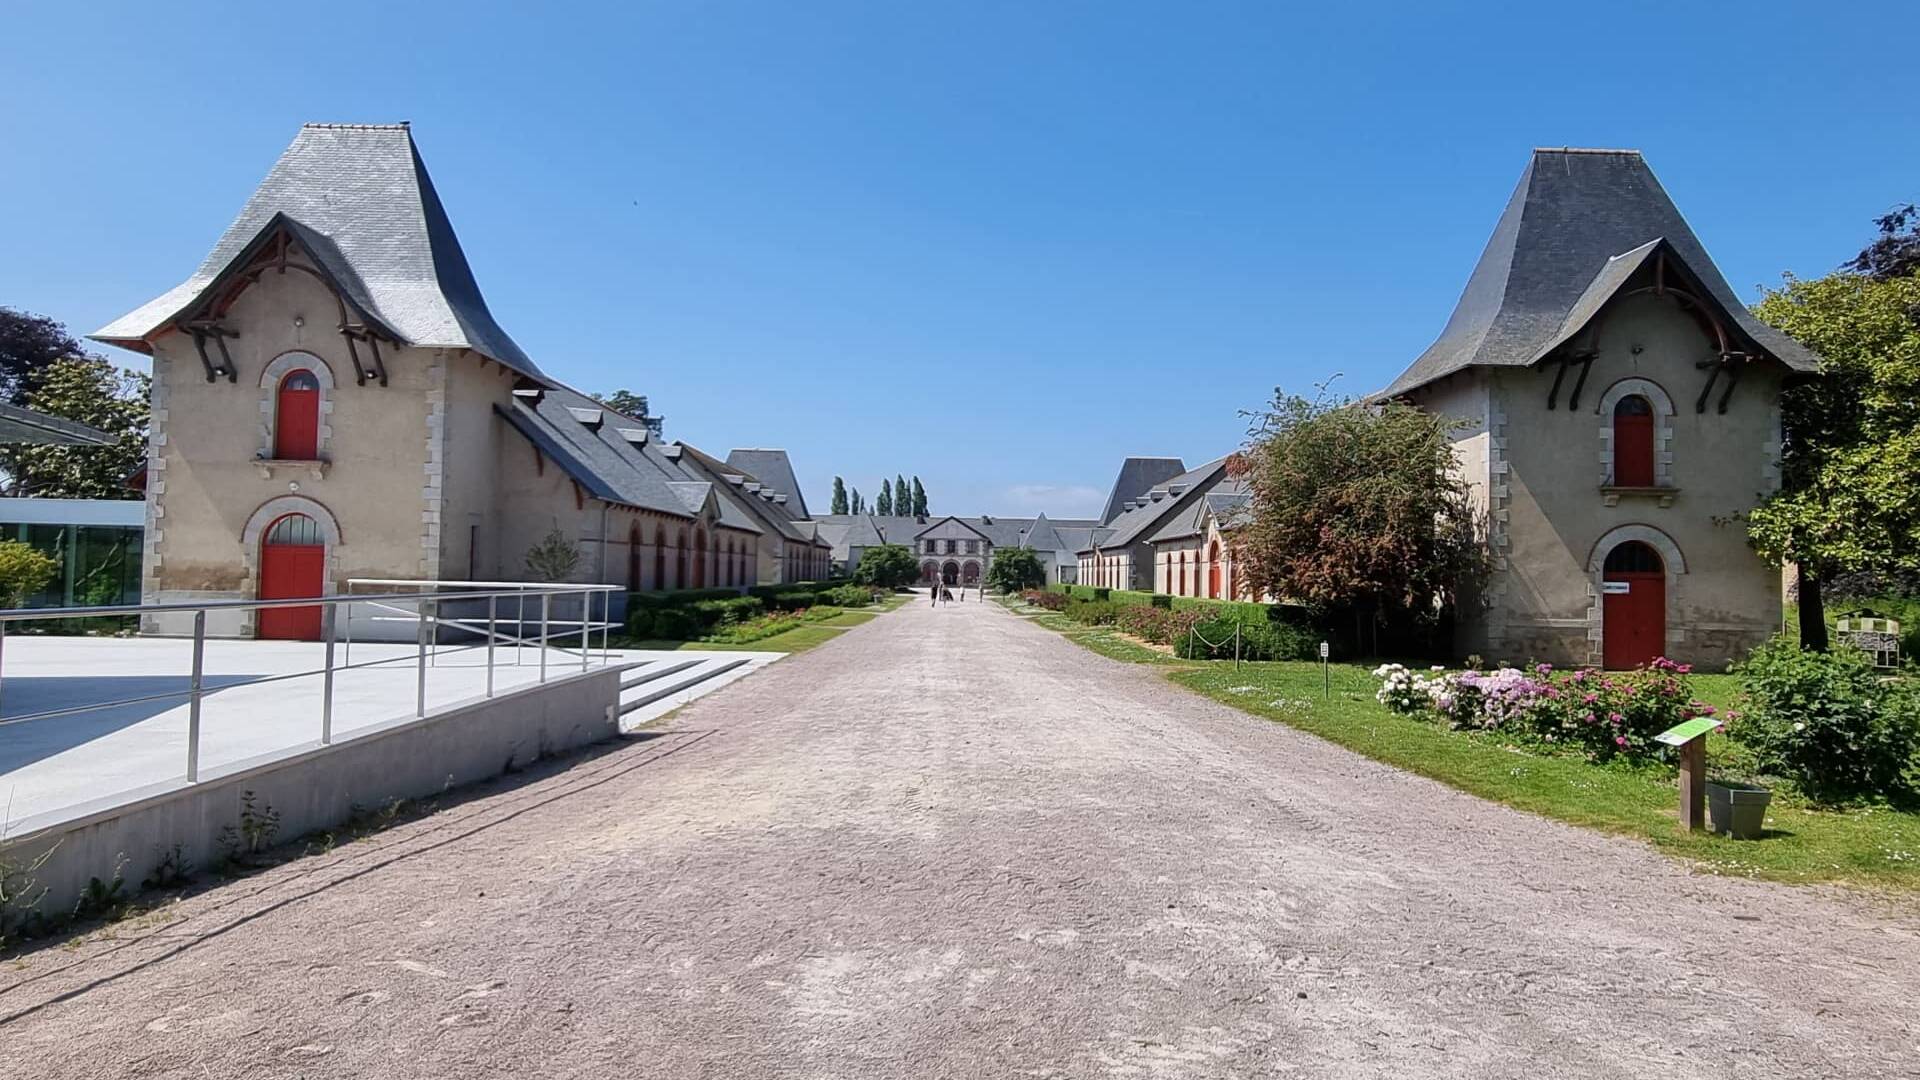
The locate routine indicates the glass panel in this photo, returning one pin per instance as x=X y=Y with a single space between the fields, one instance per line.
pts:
x=1634 y=557
x=300 y=380
x=1633 y=405
x=295 y=529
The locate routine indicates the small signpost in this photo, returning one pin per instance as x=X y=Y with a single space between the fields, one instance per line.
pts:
x=1326 y=673
x=1691 y=738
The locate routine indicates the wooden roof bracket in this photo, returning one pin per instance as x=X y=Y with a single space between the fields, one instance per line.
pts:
x=1729 y=362
x=1586 y=360
x=1553 y=395
x=200 y=332
x=361 y=372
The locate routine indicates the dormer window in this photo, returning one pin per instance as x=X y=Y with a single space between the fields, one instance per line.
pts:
x=296 y=422
x=1633 y=442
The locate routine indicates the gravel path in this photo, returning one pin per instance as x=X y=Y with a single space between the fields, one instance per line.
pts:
x=952 y=844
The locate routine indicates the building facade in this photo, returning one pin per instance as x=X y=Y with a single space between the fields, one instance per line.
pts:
x=1620 y=415
x=332 y=399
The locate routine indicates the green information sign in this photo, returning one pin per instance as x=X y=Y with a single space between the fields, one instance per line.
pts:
x=1681 y=734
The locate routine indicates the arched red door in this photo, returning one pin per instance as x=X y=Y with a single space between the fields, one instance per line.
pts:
x=1213 y=571
x=1634 y=606
x=293 y=565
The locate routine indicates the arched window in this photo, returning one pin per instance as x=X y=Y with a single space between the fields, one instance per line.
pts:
x=680 y=560
x=633 y=557
x=699 y=558
x=1633 y=442
x=660 y=557
x=296 y=418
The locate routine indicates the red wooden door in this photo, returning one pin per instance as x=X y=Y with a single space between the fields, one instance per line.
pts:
x=293 y=564
x=1213 y=572
x=1636 y=619
x=296 y=424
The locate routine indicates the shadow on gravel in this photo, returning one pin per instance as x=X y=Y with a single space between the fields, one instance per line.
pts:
x=570 y=774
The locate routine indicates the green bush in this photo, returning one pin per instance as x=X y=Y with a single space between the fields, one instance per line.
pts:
x=24 y=570
x=889 y=566
x=710 y=615
x=672 y=624
x=848 y=596
x=1052 y=601
x=1828 y=721
x=676 y=597
x=1261 y=638
x=1094 y=612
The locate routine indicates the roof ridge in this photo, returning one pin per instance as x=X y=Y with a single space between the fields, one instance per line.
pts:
x=403 y=125
x=1585 y=150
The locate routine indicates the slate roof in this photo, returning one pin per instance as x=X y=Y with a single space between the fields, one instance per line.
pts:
x=1560 y=250
x=848 y=531
x=730 y=479
x=1224 y=501
x=775 y=470
x=358 y=197
x=25 y=426
x=613 y=467
x=1150 y=512
x=1137 y=476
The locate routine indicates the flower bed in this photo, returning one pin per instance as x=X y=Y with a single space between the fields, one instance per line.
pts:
x=1605 y=714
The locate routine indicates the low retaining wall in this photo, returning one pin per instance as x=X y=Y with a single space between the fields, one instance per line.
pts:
x=313 y=787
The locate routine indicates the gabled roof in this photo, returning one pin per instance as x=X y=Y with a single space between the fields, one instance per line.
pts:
x=1153 y=508
x=1041 y=536
x=1224 y=501
x=750 y=493
x=1552 y=255
x=610 y=467
x=774 y=469
x=974 y=526
x=1137 y=476
x=358 y=199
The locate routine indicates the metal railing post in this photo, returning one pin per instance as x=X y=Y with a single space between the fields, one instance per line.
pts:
x=493 y=603
x=193 y=694
x=546 y=600
x=420 y=688
x=606 y=627
x=586 y=629
x=326 y=685
x=3 y=656
x=349 y=654
x=520 y=628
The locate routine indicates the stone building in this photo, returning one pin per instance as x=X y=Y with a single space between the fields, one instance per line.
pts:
x=1621 y=412
x=1121 y=553
x=958 y=550
x=333 y=399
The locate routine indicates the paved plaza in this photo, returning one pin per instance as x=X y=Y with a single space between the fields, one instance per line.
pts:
x=61 y=765
x=950 y=843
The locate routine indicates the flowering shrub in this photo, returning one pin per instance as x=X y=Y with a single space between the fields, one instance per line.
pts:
x=1052 y=601
x=1829 y=721
x=1607 y=714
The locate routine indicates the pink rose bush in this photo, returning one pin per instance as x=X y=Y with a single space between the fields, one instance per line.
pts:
x=1605 y=713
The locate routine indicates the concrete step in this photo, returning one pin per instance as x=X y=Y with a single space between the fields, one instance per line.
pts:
x=650 y=671
x=682 y=676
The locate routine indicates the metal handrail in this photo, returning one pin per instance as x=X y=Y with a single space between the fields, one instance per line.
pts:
x=427 y=617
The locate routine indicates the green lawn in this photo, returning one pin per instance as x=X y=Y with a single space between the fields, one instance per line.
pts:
x=1871 y=847
x=797 y=640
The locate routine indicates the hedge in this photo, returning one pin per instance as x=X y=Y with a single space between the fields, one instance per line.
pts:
x=677 y=597
x=699 y=618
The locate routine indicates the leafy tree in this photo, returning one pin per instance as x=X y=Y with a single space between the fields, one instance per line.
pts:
x=1357 y=508
x=902 y=497
x=1849 y=501
x=919 y=498
x=1015 y=569
x=884 y=504
x=554 y=558
x=94 y=392
x=24 y=570
x=28 y=344
x=839 y=497
x=633 y=405
x=888 y=566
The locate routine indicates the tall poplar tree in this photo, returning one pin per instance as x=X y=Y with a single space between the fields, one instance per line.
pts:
x=839 y=501
x=919 y=498
x=902 y=498
x=884 y=504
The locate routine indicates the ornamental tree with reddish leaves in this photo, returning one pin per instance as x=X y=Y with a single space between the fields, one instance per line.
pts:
x=1357 y=507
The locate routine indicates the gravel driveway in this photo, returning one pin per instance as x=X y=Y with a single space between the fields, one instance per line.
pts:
x=952 y=844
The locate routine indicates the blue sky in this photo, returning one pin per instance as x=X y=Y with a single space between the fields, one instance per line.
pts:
x=1000 y=245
